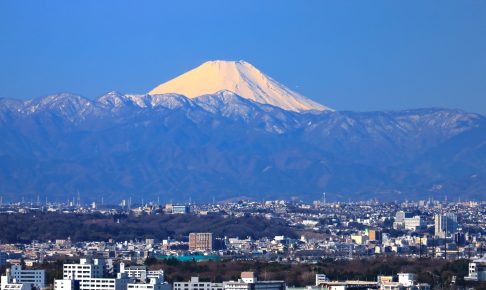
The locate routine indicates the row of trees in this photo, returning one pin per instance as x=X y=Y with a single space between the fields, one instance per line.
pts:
x=436 y=272
x=98 y=227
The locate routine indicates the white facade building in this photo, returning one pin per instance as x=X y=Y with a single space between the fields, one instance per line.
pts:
x=119 y=283
x=17 y=275
x=65 y=284
x=86 y=268
x=195 y=284
x=137 y=272
x=321 y=278
x=249 y=281
x=413 y=223
x=477 y=270
x=89 y=275
x=153 y=284
x=140 y=273
x=406 y=279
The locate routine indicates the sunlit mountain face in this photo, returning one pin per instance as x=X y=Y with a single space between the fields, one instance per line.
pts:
x=240 y=78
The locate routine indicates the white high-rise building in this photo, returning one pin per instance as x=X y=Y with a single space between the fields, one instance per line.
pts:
x=445 y=224
x=119 y=283
x=17 y=275
x=87 y=268
x=413 y=223
x=89 y=274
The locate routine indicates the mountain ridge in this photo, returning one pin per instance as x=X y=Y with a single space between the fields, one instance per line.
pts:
x=228 y=146
x=227 y=130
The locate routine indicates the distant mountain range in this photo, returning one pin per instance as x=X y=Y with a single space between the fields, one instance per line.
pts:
x=252 y=137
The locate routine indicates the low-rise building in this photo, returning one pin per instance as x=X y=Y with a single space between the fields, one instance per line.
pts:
x=32 y=278
x=249 y=281
x=87 y=268
x=477 y=270
x=195 y=284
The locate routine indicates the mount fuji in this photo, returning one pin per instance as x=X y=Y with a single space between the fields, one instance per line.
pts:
x=226 y=130
x=241 y=78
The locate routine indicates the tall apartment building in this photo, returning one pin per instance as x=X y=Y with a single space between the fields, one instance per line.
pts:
x=87 y=268
x=89 y=274
x=31 y=278
x=375 y=235
x=445 y=224
x=406 y=221
x=413 y=223
x=200 y=241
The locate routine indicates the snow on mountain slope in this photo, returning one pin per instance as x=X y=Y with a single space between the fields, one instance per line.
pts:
x=241 y=78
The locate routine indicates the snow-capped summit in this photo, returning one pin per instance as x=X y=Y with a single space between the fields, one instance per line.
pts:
x=241 y=78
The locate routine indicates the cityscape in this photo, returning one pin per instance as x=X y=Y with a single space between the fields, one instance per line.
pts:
x=307 y=234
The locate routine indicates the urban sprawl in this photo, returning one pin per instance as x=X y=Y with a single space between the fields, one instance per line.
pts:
x=337 y=231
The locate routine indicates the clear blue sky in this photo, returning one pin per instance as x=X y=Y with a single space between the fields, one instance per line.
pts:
x=350 y=55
